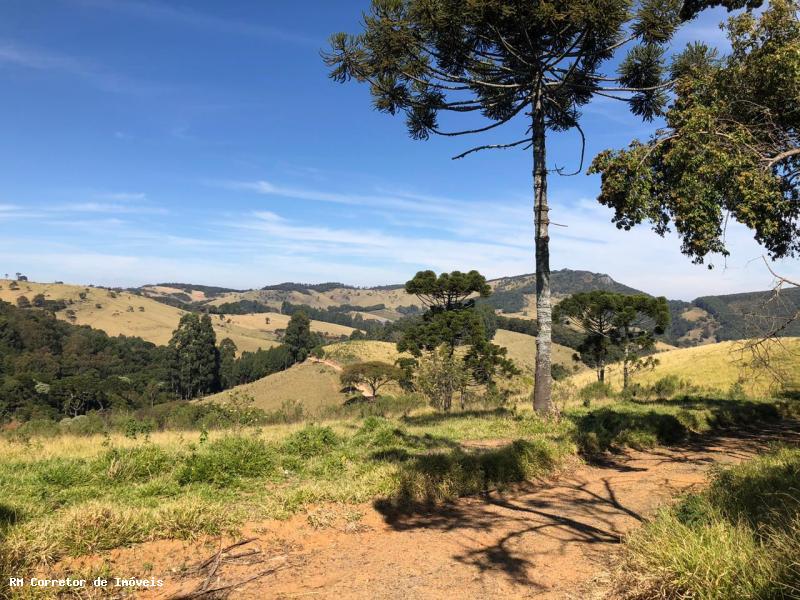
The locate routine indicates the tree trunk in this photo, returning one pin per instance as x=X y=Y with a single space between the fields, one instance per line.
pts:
x=543 y=383
x=625 y=374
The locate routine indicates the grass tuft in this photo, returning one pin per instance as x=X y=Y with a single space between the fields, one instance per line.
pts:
x=738 y=539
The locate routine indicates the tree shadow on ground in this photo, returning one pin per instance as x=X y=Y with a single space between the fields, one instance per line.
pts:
x=615 y=428
x=563 y=512
x=437 y=418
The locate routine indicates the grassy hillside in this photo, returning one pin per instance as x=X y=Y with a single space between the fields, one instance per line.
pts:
x=715 y=366
x=126 y=313
x=522 y=350
x=312 y=384
x=346 y=353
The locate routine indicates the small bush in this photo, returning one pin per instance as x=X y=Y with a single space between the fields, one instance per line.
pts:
x=132 y=464
x=377 y=432
x=667 y=387
x=312 y=440
x=596 y=390
x=222 y=461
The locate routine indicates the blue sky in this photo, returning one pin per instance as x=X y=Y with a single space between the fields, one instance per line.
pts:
x=202 y=141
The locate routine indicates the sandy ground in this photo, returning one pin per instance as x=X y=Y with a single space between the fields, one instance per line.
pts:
x=555 y=538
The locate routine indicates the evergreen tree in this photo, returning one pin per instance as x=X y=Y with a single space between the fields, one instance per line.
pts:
x=195 y=358
x=618 y=326
x=451 y=321
x=298 y=338
x=227 y=363
x=502 y=59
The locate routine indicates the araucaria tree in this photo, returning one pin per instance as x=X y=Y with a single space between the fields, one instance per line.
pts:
x=452 y=321
x=617 y=326
x=533 y=63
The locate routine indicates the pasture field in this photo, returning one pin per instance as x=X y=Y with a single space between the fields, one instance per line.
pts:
x=124 y=313
x=715 y=366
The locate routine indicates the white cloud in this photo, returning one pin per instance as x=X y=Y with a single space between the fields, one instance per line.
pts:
x=95 y=75
x=122 y=196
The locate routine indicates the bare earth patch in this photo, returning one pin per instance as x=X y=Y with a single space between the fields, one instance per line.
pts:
x=548 y=539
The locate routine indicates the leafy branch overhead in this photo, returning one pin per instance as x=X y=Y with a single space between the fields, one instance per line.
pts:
x=730 y=148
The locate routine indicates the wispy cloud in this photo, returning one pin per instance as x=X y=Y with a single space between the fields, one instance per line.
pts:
x=121 y=196
x=37 y=59
x=195 y=19
x=109 y=208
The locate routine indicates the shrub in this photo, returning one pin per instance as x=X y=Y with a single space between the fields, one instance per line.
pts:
x=132 y=464
x=595 y=391
x=222 y=461
x=667 y=387
x=312 y=440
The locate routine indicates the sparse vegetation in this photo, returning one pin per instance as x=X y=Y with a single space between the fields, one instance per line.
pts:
x=169 y=484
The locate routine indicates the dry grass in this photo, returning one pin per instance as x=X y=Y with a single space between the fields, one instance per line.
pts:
x=390 y=298
x=315 y=385
x=361 y=351
x=258 y=322
x=127 y=314
x=716 y=366
x=522 y=350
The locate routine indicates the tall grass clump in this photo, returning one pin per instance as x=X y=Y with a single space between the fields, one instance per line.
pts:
x=738 y=539
x=227 y=459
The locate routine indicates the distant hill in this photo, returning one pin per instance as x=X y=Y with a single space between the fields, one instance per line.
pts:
x=517 y=294
x=708 y=319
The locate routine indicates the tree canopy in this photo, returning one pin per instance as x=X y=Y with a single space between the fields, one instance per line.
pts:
x=731 y=145
x=375 y=374
x=195 y=357
x=617 y=326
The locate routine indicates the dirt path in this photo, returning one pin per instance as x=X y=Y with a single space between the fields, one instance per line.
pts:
x=548 y=539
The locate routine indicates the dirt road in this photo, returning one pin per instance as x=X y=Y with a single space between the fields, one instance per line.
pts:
x=548 y=539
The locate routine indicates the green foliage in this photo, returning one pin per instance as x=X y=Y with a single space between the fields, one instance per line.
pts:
x=299 y=339
x=227 y=364
x=730 y=148
x=222 y=461
x=738 y=539
x=451 y=321
x=374 y=374
x=448 y=291
x=50 y=368
x=617 y=326
x=441 y=376
x=251 y=366
x=195 y=357
x=312 y=440
x=597 y=390
x=132 y=464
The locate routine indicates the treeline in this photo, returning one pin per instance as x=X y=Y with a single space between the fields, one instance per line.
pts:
x=304 y=288
x=49 y=368
x=198 y=366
